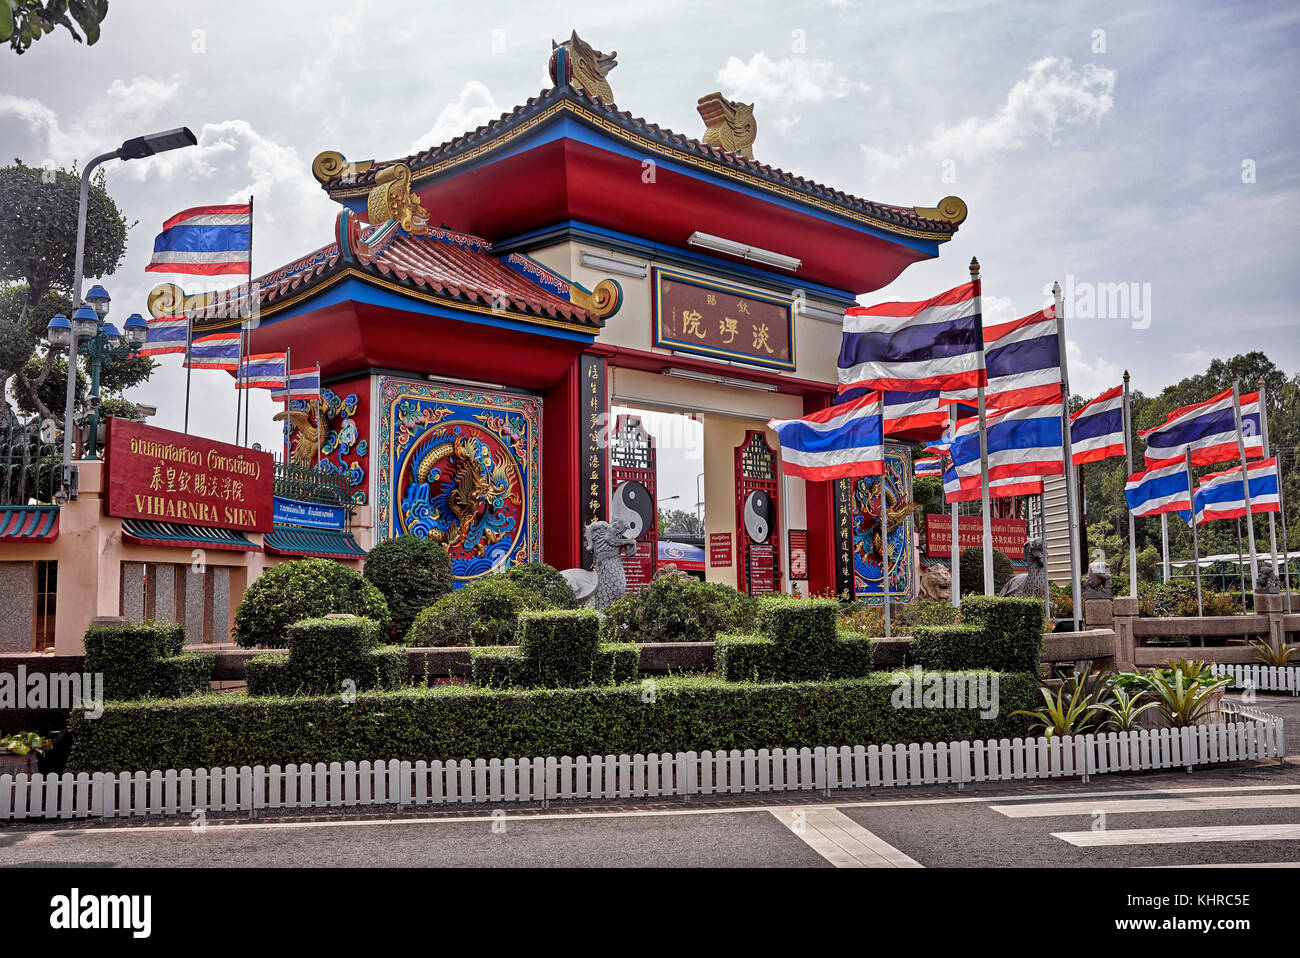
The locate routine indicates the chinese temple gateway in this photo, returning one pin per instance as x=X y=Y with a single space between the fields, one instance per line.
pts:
x=485 y=302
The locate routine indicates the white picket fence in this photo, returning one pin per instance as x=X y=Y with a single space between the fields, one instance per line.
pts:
x=1262 y=678
x=403 y=784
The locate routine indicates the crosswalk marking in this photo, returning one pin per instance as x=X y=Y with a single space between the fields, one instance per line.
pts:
x=1178 y=836
x=1189 y=803
x=840 y=840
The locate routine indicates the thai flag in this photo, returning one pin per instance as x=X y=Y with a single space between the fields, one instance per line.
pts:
x=967 y=488
x=303 y=384
x=1024 y=441
x=1023 y=361
x=930 y=466
x=1220 y=496
x=166 y=335
x=1208 y=430
x=205 y=241
x=1161 y=488
x=261 y=371
x=912 y=414
x=934 y=344
x=219 y=351
x=1097 y=430
x=839 y=441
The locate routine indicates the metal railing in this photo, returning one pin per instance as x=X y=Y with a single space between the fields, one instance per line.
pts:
x=30 y=469
x=309 y=484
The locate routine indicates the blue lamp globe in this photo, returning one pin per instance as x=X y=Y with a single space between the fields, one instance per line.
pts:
x=136 y=329
x=59 y=330
x=85 y=322
x=99 y=300
x=112 y=334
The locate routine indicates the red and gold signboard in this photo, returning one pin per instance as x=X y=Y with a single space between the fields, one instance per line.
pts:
x=1008 y=535
x=720 y=549
x=694 y=314
x=798 y=553
x=171 y=477
x=758 y=540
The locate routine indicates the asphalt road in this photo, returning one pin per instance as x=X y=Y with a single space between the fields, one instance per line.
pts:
x=1240 y=815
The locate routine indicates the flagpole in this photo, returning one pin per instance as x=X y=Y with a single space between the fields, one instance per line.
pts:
x=1042 y=532
x=1272 y=526
x=248 y=298
x=1241 y=570
x=1132 y=525
x=189 y=339
x=985 y=506
x=288 y=380
x=239 y=369
x=1196 y=540
x=1245 y=486
x=1067 y=450
x=884 y=517
x=320 y=419
x=1164 y=546
x=955 y=551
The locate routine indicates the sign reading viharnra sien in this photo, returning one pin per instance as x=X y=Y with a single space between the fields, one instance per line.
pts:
x=168 y=476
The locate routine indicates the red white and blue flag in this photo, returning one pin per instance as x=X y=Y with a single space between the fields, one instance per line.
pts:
x=205 y=241
x=1208 y=430
x=837 y=442
x=1022 y=442
x=1097 y=430
x=166 y=334
x=218 y=351
x=933 y=344
x=929 y=466
x=967 y=488
x=1220 y=495
x=1161 y=488
x=303 y=384
x=917 y=415
x=261 y=371
x=1023 y=361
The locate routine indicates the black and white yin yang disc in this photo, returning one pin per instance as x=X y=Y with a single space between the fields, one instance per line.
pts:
x=759 y=514
x=632 y=504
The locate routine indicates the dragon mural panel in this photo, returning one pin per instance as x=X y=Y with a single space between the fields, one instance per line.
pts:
x=343 y=445
x=869 y=552
x=461 y=467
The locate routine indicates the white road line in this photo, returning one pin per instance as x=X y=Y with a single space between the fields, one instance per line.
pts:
x=840 y=840
x=1233 y=865
x=1189 y=803
x=1181 y=836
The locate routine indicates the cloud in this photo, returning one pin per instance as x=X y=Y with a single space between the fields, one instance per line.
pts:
x=779 y=88
x=472 y=109
x=1090 y=377
x=1050 y=98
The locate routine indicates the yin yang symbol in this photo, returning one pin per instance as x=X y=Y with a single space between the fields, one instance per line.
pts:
x=632 y=504
x=759 y=513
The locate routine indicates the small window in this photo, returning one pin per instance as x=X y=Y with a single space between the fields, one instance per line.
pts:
x=47 y=588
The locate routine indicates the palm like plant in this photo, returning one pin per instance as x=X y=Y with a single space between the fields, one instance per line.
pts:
x=1065 y=713
x=1268 y=655
x=1124 y=714
x=1185 y=701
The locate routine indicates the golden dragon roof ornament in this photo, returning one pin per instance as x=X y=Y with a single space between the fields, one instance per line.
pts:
x=585 y=67
x=730 y=124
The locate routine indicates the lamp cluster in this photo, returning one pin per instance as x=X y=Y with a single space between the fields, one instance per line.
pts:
x=90 y=319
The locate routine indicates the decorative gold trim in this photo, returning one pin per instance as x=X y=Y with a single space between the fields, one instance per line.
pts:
x=603 y=301
x=168 y=299
x=391 y=199
x=331 y=163
x=950 y=208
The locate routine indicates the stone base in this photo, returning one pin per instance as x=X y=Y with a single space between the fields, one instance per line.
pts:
x=1097 y=613
x=1269 y=602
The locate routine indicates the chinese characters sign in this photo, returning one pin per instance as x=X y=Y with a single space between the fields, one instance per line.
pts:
x=1008 y=535
x=171 y=477
x=716 y=319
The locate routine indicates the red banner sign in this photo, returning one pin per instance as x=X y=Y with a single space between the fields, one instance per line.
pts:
x=168 y=476
x=798 y=553
x=716 y=319
x=1008 y=535
x=719 y=548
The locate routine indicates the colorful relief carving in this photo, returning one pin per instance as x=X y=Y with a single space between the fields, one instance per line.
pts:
x=461 y=467
x=869 y=551
x=340 y=447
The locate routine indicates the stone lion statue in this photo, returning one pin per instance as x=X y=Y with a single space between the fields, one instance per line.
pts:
x=935 y=584
x=1267 y=583
x=1030 y=583
x=1097 y=583
x=608 y=542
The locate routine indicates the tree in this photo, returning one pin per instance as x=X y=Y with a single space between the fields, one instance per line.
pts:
x=38 y=234
x=678 y=522
x=23 y=22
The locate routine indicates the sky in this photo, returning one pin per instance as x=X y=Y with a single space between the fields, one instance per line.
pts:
x=1095 y=144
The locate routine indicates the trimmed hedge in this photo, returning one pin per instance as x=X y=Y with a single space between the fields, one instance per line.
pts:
x=145 y=659
x=679 y=609
x=799 y=642
x=484 y=612
x=457 y=721
x=411 y=572
x=302 y=589
x=557 y=649
x=1005 y=635
x=543 y=581
x=325 y=653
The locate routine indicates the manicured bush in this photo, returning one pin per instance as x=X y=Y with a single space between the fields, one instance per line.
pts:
x=543 y=581
x=302 y=589
x=145 y=659
x=270 y=675
x=557 y=649
x=678 y=609
x=972 y=570
x=1005 y=635
x=798 y=642
x=870 y=619
x=457 y=721
x=484 y=612
x=324 y=654
x=411 y=572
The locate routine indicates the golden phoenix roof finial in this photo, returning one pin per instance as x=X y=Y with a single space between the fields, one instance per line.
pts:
x=731 y=124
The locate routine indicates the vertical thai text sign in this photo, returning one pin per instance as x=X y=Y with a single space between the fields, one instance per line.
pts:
x=594 y=434
x=757 y=537
x=636 y=496
x=167 y=476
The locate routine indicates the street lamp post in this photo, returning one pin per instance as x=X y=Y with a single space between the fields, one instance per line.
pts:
x=133 y=149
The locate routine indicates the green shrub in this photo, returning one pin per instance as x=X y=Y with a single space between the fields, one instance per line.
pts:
x=411 y=572
x=972 y=571
x=870 y=619
x=1005 y=635
x=798 y=642
x=270 y=675
x=544 y=582
x=302 y=589
x=557 y=649
x=677 y=609
x=142 y=659
x=483 y=612
x=1177 y=597
x=457 y=721
x=324 y=654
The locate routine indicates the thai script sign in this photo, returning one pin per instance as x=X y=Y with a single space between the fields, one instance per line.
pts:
x=1008 y=535
x=719 y=549
x=168 y=476
x=693 y=314
x=291 y=512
